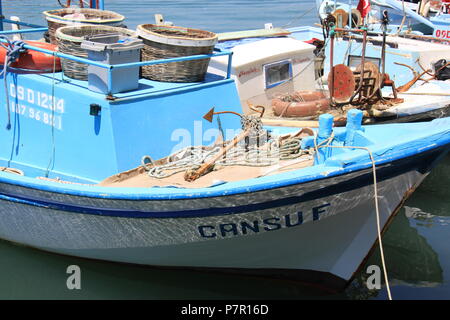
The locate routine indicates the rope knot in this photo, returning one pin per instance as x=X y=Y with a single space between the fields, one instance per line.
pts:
x=14 y=50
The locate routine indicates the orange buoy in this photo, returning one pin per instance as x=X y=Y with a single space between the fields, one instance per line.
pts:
x=301 y=104
x=34 y=61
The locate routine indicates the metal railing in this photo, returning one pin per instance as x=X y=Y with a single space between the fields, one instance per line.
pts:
x=35 y=28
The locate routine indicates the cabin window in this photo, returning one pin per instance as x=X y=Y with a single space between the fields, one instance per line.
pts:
x=277 y=73
x=354 y=61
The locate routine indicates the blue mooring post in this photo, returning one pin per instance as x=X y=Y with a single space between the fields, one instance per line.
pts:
x=354 y=120
x=325 y=130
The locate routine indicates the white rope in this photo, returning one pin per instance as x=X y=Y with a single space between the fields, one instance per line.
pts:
x=193 y=157
x=52 y=120
x=376 y=207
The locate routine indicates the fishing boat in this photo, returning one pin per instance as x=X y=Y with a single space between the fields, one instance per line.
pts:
x=156 y=176
x=422 y=17
x=292 y=78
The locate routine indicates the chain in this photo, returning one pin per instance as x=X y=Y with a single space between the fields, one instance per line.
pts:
x=253 y=122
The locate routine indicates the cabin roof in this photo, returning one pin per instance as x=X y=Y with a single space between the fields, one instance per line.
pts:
x=247 y=53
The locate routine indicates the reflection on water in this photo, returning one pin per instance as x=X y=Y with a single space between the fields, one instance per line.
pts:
x=410 y=260
x=416 y=250
x=416 y=244
x=32 y=274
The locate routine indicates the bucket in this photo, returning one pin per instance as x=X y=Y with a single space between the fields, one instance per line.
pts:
x=79 y=16
x=162 y=42
x=69 y=41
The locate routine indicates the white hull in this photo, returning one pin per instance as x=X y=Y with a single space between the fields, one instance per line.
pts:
x=336 y=243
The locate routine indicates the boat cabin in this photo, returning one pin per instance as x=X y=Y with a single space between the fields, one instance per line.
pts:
x=264 y=67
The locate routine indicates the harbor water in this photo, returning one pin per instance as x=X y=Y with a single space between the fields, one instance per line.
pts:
x=416 y=245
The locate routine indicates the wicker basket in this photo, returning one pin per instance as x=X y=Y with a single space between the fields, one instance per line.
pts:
x=57 y=18
x=162 y=42
x=69 y=41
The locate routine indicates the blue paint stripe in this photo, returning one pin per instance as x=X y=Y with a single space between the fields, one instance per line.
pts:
x=422 y=163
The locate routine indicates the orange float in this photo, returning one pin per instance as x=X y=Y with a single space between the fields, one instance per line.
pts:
x=301 y=104
x=34 y=61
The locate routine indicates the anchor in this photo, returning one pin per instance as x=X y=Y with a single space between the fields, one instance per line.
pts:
x=210 y=114
x=192 y=175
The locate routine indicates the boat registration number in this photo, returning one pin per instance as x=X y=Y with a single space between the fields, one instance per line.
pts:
x=30 y=103
x=444 y=34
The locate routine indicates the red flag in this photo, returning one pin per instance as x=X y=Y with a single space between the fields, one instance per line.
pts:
x=363 y=7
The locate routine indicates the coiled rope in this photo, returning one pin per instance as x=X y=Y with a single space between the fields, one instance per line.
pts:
x=193 y=157
x=244 y=154
x=13 y=50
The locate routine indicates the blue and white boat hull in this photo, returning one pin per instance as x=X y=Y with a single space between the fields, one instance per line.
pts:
x=318 y=231
x=315 y=223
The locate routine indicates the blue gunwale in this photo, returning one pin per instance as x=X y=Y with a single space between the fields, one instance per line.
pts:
x=422 y=162
x=347 y=162
x=110 y=68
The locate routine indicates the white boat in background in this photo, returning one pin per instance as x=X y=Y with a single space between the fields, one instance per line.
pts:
x=260 y=67
x=286 y=62
x=422 y=17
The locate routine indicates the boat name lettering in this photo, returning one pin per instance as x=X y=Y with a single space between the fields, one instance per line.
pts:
x=247 y=72
x=244 y=227
x=297 y=61
x=37 y=98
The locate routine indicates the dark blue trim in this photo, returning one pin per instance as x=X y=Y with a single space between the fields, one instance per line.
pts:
x=422 y=163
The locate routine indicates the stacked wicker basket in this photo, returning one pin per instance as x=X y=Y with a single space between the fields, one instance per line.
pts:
x=162 y=42
x=79 y=16
x=69 y=27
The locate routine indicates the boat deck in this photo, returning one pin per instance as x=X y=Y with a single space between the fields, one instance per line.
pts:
x=139 y=178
